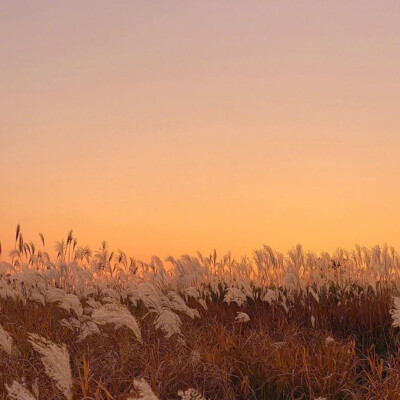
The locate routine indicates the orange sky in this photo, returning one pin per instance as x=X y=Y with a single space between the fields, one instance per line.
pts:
x=167 y=127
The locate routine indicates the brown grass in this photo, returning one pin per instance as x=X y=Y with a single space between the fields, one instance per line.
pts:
x=276 y=355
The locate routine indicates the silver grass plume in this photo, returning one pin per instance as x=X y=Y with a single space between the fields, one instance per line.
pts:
x=55 y=359
x=242 y=317
x=190 y=394
x=396 y=312
x=178 y=304
x=157 y=302
x=118 y=315
x=17 y=391
x=235 y=295
x=66 y=301
x=6 y=342
x=83 y=327
x=144 y=390
x=169 y=322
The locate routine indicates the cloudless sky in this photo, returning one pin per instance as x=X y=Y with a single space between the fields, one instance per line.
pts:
x=167 y=127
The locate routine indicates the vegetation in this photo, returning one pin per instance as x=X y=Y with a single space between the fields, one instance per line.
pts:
x=100 y=325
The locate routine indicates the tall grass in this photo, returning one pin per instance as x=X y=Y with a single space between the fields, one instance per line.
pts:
x=102 y=325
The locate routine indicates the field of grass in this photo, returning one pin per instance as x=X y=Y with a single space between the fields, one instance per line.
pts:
x=100 y=325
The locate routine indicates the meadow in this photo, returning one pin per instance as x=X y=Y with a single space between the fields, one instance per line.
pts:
x=100 y=325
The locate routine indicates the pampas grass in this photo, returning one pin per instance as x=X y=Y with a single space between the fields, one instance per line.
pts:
x=6 y=342
x=16 y=391
x=275 y=326
x=144 y=390
x=242 y=317
x=190 y=394
x=119 y=316
x=55 y=359
x=396 y=312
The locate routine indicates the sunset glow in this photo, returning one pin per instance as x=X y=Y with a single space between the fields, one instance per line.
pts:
x=171 y=127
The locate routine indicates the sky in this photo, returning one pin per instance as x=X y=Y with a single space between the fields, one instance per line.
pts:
x=167 y=127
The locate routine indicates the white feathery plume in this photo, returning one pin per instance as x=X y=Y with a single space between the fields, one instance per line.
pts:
x=178 y=304
x=66 y=301
x=152 y=296
x=194 y=293
x=396 y=312
x=37 y=297
x=109 y=292
x=246 y=288
x=144 y=390
x=54 y=294
x=271 y=296
x=89 y=291
x=6 y=268
x=17 y=391
x=6 y=342
x=203 y=303
x=190 y=291
x=158 y=303
x=242 y=317
x=87 y=328
x=314 y=294
x=195 y=357
x=55 y=359
x=118 y=315
x=235 y=295
x=72 y=302
x=214 y=282
x=329 y=340
x=35 y=387
x=283 y=302
x=84 y=326
x=278 y=345
x=190 y=394
x=67 y=323
x=169 y=322
x=6 y=291
x=110 y=300
x=93 y=303
x=290 y=280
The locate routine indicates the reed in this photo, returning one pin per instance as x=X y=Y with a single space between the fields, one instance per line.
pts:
x=274 y=326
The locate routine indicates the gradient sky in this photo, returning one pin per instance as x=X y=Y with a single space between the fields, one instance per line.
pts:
x=167 y=127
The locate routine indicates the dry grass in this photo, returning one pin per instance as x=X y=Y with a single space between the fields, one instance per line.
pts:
x=273 y=356
x=332 y=340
